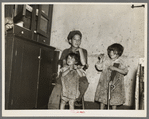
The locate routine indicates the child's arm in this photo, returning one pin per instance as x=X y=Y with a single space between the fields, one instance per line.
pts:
x=82 y=57
x=99 y=64
x=79 y=70
x=122 y=71
x=65 y=70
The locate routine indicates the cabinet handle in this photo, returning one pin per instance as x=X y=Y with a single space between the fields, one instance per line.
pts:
x=35 y=31
x=39 y=57
x=44 y=41
x=22 y=32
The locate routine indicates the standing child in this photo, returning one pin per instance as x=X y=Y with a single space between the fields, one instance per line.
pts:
x=74 y=39
x=70 y=80
x=117 y=84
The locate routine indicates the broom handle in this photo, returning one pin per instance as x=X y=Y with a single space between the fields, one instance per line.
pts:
x=109 y=91
x=113 y=74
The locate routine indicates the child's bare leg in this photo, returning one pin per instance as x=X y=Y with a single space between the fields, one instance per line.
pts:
x=114 y=107
x=63 y=103
x=102 y=106
x=71 y=104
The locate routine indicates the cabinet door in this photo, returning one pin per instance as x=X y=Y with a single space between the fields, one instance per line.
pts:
x=45 y=20
x=45 y=78
x=8 y=65
x=25 y=66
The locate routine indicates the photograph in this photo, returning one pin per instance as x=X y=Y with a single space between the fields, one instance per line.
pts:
x=74 y=59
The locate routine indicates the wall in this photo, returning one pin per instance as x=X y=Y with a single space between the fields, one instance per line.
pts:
x=102 y=25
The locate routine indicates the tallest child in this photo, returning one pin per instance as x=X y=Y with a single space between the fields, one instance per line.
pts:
x=74 y=39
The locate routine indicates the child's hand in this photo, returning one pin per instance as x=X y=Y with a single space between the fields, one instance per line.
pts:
x=112 y=68
x=64 y=68
x=75 y=67
x=79 y=67
x=100 y=56
x=71 y=68
x=79 y=49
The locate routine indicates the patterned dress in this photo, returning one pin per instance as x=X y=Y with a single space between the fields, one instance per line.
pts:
x=70 y=83
x=117 y=94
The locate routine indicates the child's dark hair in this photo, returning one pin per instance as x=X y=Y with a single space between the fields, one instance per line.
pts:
x=75 y=56
x=116 y=47
x=73 y=33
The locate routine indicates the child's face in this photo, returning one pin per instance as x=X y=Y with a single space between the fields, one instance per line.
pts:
x=76 y=41
x=113 y=55
x=71 y=61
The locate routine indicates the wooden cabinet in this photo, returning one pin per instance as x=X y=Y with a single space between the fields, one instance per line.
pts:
x=35 y=18
x=24 y=75
x=28 y=73
x=30 y=61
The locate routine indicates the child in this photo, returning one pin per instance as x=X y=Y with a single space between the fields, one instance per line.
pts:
x=70 y=77
x=74 y=39
x=117 y=84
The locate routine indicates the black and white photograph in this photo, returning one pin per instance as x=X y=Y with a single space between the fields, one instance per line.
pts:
x=74 y=59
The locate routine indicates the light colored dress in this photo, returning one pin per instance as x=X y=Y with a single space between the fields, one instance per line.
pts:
x=70 y=83
x=117 y=94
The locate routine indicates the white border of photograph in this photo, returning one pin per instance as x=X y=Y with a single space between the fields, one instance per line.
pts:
x=71 y=113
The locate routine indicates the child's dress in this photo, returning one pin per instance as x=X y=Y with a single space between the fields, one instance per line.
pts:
x=117 y=94
x=70 y=83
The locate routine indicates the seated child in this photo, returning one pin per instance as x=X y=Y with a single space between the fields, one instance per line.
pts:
x=70 y=80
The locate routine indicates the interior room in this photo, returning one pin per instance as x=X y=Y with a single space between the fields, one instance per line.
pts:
x=39 y=35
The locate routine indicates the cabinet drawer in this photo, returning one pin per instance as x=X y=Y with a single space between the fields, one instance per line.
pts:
x=43 y=40
x=22 y=32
